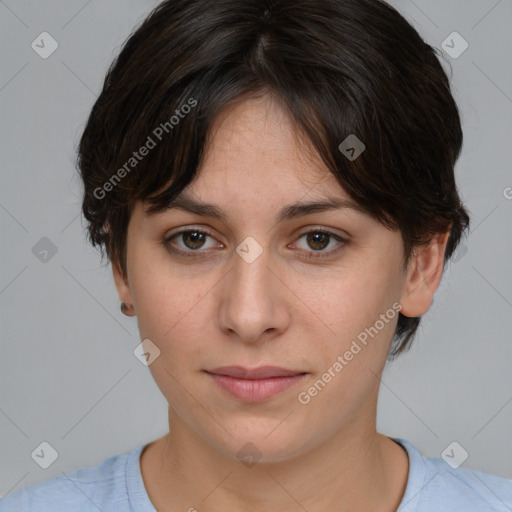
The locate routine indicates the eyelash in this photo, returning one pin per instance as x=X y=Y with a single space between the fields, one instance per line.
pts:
x=309 y=254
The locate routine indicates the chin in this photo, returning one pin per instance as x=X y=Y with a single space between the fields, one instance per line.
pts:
x=263 y=446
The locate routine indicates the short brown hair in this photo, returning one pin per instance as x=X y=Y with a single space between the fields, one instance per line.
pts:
x=341 y=67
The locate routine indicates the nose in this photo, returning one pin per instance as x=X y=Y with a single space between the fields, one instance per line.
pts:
x=254 y=303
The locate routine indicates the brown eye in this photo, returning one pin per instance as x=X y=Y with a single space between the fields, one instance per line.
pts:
x=193 y=239
x=318 y=240
x=188 y=242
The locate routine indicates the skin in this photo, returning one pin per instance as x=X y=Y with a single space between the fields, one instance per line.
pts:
x=283 y=310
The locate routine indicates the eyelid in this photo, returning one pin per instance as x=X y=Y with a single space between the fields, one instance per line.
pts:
x=336 y=232
x=186 y=229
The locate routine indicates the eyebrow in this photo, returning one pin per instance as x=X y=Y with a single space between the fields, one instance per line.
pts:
x=288 y=212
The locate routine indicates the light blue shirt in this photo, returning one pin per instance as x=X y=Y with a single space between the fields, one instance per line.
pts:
x=116 y=485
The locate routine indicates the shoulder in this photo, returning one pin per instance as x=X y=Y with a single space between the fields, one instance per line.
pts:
x=434 y=485
x=102 y=487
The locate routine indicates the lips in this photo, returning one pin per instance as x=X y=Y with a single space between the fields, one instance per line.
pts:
x=263 y=372
x=255 y=385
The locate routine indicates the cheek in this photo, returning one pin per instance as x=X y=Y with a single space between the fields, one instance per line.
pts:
x=168 y=315
x=351 y=303
x=350 y=358
x=162 y=295
x=171 y=313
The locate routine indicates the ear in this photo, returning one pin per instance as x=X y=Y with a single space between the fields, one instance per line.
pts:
x=424 y=274
x=120 y=279
x=122 y=285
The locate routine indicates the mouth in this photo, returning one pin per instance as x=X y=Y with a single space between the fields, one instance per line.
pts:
x=255 y=385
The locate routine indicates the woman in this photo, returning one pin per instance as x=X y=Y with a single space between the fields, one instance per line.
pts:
x=273 y=185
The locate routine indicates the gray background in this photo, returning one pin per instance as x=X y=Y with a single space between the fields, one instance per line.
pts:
x=68 y=375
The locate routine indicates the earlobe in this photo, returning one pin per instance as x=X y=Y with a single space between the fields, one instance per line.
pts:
x=423 y=276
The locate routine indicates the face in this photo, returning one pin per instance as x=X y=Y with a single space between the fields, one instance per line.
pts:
x=242 y=290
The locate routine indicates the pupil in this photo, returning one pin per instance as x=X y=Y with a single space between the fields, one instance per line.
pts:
x=315 y=238
x=195 y=237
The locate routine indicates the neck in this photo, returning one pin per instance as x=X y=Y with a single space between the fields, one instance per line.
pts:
x=355 y=469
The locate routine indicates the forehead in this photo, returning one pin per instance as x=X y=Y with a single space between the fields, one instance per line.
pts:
x=259 y=137
x=257 y=163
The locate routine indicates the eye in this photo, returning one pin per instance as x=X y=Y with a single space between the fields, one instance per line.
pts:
x=192 y=240
x=320 y=239
x=192 y=243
